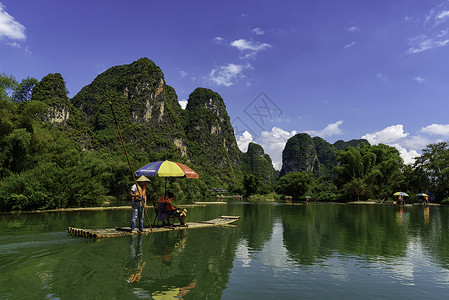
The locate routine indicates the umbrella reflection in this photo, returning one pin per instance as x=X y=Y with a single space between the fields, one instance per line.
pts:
x=426 y=213
x=401 y=216
x=174 y=292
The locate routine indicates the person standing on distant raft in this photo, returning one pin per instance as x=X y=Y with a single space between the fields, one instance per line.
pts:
x=139 y=202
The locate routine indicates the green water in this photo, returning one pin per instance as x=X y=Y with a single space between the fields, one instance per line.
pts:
x=277 y=251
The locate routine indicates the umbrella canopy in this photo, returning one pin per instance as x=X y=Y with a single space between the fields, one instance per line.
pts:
x=422 y=195
x=400 y=194
x=167 y=168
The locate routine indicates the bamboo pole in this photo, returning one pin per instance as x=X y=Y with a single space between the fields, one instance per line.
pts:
x=129 y=164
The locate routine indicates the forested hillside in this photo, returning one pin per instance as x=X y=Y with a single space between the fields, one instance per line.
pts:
x=64 y=143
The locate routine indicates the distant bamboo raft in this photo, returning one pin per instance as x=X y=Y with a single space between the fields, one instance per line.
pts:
x=206 y=203
x=124 y=231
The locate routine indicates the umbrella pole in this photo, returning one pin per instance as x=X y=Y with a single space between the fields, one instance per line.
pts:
x=129 y=163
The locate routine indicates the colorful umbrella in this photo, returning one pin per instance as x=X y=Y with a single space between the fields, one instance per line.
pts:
x=167 y=168
x=400 y=194
x=422 y=195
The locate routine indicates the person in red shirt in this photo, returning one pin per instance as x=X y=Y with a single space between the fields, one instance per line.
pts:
x=171 y=210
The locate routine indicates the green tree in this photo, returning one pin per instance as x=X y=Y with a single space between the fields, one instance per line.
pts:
x=434 y=162
x=368 y=171
x=251 y=184
x=295 y=184
x=7 y=85
x=22 y=91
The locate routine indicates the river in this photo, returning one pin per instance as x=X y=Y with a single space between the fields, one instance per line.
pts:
x=315 y=251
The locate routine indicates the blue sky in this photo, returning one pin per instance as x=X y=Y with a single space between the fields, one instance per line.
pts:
x=339 y=69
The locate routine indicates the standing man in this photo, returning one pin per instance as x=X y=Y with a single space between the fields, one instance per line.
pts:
x=139 y=202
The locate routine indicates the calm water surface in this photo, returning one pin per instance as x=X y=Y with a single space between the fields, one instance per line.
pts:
x=316 y=251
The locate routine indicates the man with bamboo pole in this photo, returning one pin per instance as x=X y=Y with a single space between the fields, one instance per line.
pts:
x=139 y=202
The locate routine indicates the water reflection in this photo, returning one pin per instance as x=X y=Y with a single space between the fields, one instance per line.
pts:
x=135 y=265
x=277 y=251
x=174 y=292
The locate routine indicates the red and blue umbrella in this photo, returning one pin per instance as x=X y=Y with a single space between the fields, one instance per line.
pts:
x=167 y=168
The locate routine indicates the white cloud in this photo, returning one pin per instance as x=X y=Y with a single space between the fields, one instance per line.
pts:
x=14 y=45
x=244 y=140
x=419 y=79
x=408 y=156
x=350 y=45
x=437 y=129
x=422 y=44
x=228 y=75
x=386 y=136
x=417 y=142
x=353 y=29
x=218 y=40
x=395 y=136
x=273 y=143
x=331 y=129
x=244 y=45
x=435 y=30
x=183 y=73
x=10 y=28
x=381 y=76
x=442 y=15
x=183 y=103
x=258 y=31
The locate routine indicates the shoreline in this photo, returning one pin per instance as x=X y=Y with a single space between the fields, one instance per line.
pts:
x=96 y=208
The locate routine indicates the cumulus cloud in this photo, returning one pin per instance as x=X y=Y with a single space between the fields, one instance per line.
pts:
x=395 y=136
x=331 y=129
x=244 y=140
x=251 y=48
x=350 y=45
x=353 y=29
x=273 y=143
x=218 y=40
x=258 y=31
x=437 y=129
x=419 y=79
x=228 y=75
x=386 y=136
x=183 y=103
x=408 y=156
x=9 y=27
x=417 y=142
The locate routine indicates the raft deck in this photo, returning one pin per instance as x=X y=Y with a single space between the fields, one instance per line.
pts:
x=125 y=231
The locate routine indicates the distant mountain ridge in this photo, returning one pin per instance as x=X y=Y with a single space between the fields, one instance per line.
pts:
x=155 y=127
x=316 y=156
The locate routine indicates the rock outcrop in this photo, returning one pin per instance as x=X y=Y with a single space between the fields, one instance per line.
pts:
x=145 y=106
x=313 y=155
x=52 y=91
x=256 y=162
x=210 y=136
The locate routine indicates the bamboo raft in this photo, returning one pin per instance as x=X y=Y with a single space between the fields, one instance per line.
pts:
x=126 y=231
x=207 y=203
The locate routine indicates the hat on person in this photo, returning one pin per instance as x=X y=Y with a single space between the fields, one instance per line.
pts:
x=142 y=179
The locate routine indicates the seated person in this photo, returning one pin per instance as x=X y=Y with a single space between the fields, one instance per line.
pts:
x=171 y=210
